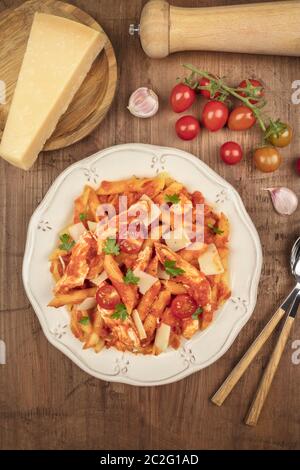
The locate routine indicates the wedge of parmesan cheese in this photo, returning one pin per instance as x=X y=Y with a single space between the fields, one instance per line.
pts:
x=162 y=274
x=139 y=325
x=99 y=279
x=92 y=225
x=145 y=280
x=210 y=262
x=86 y=304
x=58 y=56
x=162 y=338
x=76 y=231
x=177 y=239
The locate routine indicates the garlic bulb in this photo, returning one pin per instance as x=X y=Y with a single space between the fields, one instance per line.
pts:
x=285 y=201
x=143 y=103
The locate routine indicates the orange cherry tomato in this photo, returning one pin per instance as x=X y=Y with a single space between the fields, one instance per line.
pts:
x=107 y=297
x=283 y=138
x=267 y=159
x=241 y=119
x=183 y=306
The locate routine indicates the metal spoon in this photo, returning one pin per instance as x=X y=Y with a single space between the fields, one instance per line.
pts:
x=274 y=360
x=295 y=268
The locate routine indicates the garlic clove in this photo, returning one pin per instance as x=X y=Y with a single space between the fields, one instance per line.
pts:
x=285 y=201
x=143 y=103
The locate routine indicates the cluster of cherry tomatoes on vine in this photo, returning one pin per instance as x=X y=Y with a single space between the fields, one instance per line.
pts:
x=218 y=113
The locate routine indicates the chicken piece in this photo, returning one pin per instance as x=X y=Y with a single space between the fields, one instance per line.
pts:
x=123 y=334
x=78 y=266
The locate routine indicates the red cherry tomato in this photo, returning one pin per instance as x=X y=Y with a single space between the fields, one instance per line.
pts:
x=231 y=153
x=182 y=97
x=187 y=127
x=298 y=166
x=214 y=115
x=206 y=93
x=131 y=245
x=183 y=306
x=107 y=297
x=255 y=83
x=241 y=118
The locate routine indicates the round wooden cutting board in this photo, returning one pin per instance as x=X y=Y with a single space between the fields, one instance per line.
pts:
x=95 y=95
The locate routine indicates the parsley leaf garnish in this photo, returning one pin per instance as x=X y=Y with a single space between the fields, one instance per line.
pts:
x=130 y=278
x=120 y=312
x=66 y=242
x=215 y=229
x=197 y=313
x=82 y=216
x=170 y=267
x=172 y=198
x=84 y=320
x=111 y=247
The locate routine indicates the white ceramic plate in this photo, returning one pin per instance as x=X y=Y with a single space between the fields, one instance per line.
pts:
x=55 y=212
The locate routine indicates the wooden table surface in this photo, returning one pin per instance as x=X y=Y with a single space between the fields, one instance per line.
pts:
x=48 y=402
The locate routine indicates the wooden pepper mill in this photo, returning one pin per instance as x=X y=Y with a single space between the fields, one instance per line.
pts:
x=257 y=28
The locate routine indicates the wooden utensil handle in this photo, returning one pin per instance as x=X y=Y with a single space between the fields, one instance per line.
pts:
x=257 y=28
x=269 y=373
x=241 y=367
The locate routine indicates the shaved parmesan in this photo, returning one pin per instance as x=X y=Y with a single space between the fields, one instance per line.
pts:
x=177 y=239
x=76 y=231
x=139 y=325
x=162 y=338
x=89 y=302
x=62 y=262
x=154 y=209
x=92 y=225
x=161 y=273
x=146 y=280
x=99 y=279
x=210 y=262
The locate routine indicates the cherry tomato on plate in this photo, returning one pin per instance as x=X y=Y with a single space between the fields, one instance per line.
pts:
x=131 y=245
x=241 y=118
x=182 y=97
x=107 y=297
x=187 y=127
x=206 y=93
x=231 y=153
x=259 y=92
x=214 y=115
x=267 y=159
x=183 y=306
x=282 y=138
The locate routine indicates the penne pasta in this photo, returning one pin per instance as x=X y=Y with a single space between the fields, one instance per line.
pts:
x=72 y=297
x=140 y=293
